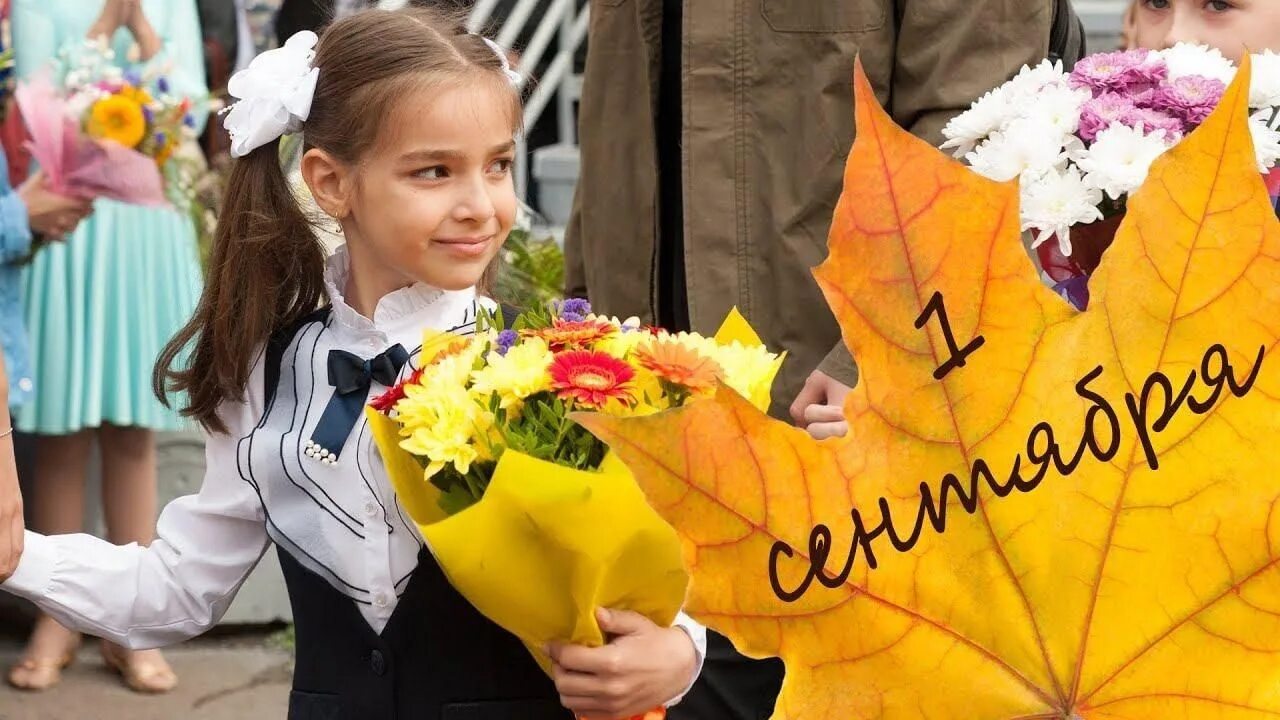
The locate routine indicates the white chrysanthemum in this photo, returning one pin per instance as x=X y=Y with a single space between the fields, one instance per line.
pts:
x=1119 y=159
x=1264 y=80
x=1025 y=147
x=1266 y=142
x=1055 y=201
x=1057 y=107
x=1031 y=80
x=988 y=114
x=1186 y=59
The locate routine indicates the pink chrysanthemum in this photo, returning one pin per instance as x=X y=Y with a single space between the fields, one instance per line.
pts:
x=1117 y=72
x=1191 y=98
x=1102 y=112
x=1149 y=121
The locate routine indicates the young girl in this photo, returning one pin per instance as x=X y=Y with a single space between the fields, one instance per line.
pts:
x=409 y=124
x=1235 y=27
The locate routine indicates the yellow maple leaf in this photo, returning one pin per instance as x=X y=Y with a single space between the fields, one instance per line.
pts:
x=1139 y=581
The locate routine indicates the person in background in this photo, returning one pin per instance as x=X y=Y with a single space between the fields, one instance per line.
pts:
x=33 y=208
x=723 y=194
x=99 y=308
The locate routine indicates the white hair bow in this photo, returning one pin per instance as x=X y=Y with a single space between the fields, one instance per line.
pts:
x=273 y=95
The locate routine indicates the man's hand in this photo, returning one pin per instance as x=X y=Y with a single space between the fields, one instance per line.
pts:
x=49 y=213
x=642 y=667
x=819 y=408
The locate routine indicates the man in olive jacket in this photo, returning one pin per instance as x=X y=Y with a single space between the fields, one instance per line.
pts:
x=713 y=137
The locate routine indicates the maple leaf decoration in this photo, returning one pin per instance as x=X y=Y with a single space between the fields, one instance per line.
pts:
x=1128 y=571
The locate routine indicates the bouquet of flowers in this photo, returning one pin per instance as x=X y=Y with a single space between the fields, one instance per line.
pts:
x=106 y=132
x=530 y=516
x=1080 y=142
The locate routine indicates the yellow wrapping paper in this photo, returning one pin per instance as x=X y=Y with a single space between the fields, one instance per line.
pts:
x=548 y=545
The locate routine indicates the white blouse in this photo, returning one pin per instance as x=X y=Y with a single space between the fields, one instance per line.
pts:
x=341 y=520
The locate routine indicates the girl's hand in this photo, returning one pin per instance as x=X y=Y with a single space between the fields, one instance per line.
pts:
x=111 y=18
x=642 y=667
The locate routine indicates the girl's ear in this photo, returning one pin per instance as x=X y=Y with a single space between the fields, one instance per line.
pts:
x=329 y=181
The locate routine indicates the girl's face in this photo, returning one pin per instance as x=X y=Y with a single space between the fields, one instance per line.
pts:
x=1235 y=27
x=434 y=201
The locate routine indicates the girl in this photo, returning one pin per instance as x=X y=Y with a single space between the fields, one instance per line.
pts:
x=409 y=123
x=1235 y=27
x=100 y=307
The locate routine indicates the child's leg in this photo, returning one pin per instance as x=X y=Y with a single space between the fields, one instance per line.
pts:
x=129 y=503
x=57 y=507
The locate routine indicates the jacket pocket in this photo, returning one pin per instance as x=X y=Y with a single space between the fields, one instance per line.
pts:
x=824 y=16
x=314 y=706
x=505 y=710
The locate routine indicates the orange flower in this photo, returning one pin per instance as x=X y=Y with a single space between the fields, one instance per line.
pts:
x=679 y=364
x=566 y=334
x=590 y=378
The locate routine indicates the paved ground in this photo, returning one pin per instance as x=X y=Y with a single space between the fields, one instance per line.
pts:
x=229 y=678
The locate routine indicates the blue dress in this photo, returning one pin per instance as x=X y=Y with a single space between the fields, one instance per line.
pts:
x=15 y=243
x=102 y=305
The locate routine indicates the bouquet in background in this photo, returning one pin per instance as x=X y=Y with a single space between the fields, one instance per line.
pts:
x=1080 y=142
x=530 y=516
x=107 y=132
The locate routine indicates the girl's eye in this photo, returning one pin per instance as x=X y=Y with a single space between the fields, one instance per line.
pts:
x=1218 y=5
x=501 y=166
x=438 y=172
x=1157 y=4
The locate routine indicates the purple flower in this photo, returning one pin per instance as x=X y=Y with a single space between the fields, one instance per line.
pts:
x=506 y=340
x=189 y=120
x=574 y=310
x=133 y=78
x=162 y=84
x=1190 y=98
x=1116 y=71
x=1102 y=112
x=147 y=115
x=1149 y=120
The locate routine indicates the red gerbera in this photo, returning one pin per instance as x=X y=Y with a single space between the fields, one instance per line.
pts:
x=386 y=402
x=565 y=334
x=590 y=378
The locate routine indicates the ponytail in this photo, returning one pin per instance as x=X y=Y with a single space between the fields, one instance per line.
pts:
x=266 y=272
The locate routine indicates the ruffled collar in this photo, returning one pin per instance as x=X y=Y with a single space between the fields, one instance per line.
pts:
x=392 y=308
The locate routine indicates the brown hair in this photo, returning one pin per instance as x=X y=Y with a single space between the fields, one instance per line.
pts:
x=267 y=266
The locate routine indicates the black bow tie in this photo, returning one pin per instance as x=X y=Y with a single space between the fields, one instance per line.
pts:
x=351 y=377
x=349 y=373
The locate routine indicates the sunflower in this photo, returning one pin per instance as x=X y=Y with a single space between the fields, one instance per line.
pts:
x=591 y=378
x=118 y=119
x=679 y=364
x=566 y=334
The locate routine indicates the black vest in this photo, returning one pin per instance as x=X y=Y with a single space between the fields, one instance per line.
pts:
x=438 y=658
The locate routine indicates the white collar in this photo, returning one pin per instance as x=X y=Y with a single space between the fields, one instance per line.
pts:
x=394 y=307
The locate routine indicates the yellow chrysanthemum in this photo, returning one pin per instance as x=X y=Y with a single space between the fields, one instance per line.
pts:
x=748 y=370
x=118 y=119
x=622 y=344
x=522 y=372
x=442 y=422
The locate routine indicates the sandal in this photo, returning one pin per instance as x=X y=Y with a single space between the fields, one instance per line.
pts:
x=37 y=674
x=142 y=677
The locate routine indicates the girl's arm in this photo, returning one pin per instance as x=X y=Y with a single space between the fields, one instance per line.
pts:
x=179 y=586
x=176 y=43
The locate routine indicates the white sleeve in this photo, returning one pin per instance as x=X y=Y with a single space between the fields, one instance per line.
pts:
x=182 y=583
x=698 y=634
